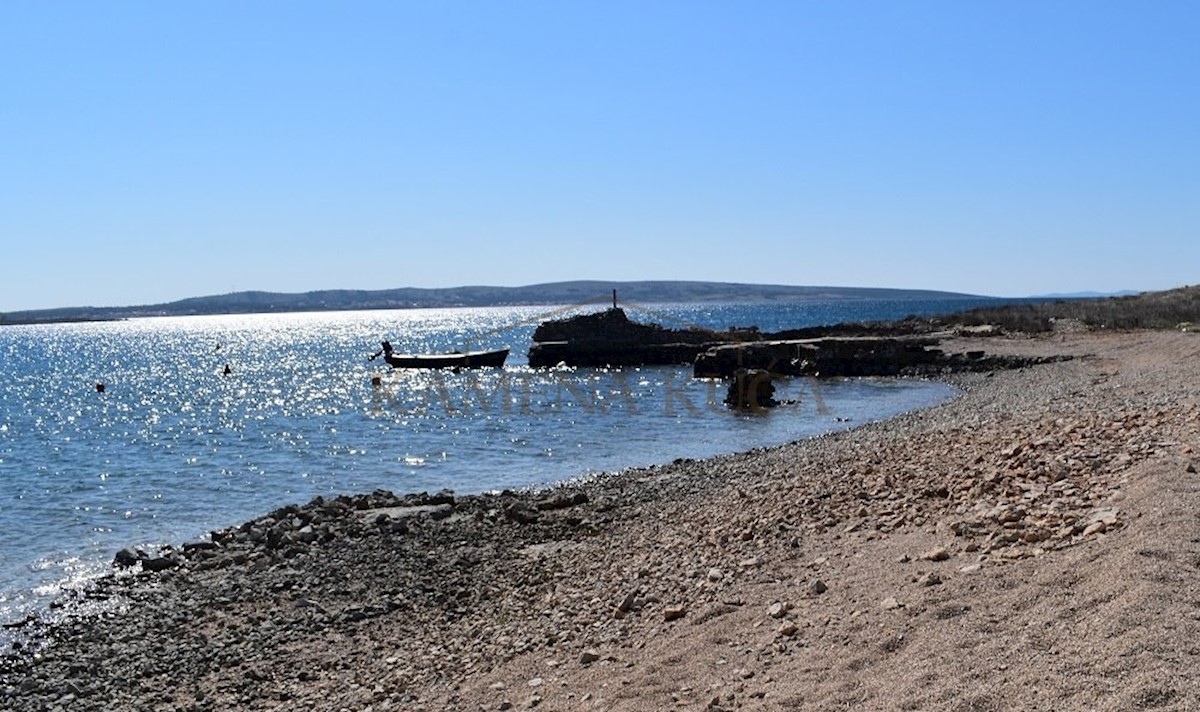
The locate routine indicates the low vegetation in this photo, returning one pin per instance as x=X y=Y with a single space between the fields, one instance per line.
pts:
x=1168 y=309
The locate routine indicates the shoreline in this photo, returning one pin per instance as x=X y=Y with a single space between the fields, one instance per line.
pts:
x=813 y=574
x=793 y=422
x=88 y=596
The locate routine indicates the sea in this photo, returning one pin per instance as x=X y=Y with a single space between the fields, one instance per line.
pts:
x=174 y=446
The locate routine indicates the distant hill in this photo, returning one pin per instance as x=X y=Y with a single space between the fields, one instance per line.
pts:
x=1086 y=295
x=648 y=292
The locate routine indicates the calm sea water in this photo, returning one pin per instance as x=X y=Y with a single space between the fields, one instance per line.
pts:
x=175 y=448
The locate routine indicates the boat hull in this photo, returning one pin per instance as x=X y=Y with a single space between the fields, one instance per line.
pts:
x=469 y=359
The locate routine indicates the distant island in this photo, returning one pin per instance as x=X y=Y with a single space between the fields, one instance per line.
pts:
x=650 y=292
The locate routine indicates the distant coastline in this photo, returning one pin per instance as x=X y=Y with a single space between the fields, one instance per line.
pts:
x=256 y=302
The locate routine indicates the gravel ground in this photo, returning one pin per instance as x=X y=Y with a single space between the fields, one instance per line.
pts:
x=1030 y=545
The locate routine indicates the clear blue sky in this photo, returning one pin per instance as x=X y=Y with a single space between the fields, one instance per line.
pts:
x=151 y=151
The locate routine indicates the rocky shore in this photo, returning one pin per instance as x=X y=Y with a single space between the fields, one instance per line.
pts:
x=1032 y=544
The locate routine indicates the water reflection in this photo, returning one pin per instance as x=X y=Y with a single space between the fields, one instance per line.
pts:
x=175 y=447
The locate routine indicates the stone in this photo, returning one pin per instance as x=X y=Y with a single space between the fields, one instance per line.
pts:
x=938 y=554
x=588 y=657
x=817 y=587
x=777 y=610
x=751 y=389
x=930 y=579
x=161 y=563
x=788 y=629
x=890 y=604
x=124 y=559
x=1108 y=515
x=561 y=501
x=671 y=613
x=522 y=514
x=715 y=575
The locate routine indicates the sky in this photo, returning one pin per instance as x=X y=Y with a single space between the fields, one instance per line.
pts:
x=155 y=151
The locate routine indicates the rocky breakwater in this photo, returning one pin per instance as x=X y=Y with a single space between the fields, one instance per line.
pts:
x=610 y=338
x=849 y=356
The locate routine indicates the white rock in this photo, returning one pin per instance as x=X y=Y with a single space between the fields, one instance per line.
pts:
x=938 y=554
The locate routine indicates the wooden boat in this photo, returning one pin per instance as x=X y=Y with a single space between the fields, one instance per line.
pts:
x=453 y=359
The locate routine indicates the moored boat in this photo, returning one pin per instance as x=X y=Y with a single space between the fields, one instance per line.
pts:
x=493 y=358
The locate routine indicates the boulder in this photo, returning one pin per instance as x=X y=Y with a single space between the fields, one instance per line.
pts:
x=157 y=564
x=751 y=389
x=125 y=559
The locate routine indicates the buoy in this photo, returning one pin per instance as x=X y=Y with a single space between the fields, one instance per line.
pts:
x=376 y=381
x=228 y=370
x=99 y=387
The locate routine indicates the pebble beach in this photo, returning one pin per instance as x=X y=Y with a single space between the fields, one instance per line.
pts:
x=1030 y=545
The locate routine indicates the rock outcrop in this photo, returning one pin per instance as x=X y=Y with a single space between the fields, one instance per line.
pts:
x=865 y=356
x=849 y=357
x=610 y=338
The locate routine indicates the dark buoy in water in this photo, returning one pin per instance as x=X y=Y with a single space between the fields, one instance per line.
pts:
x=99 y=387
x=376 y=381
x=228 y=370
